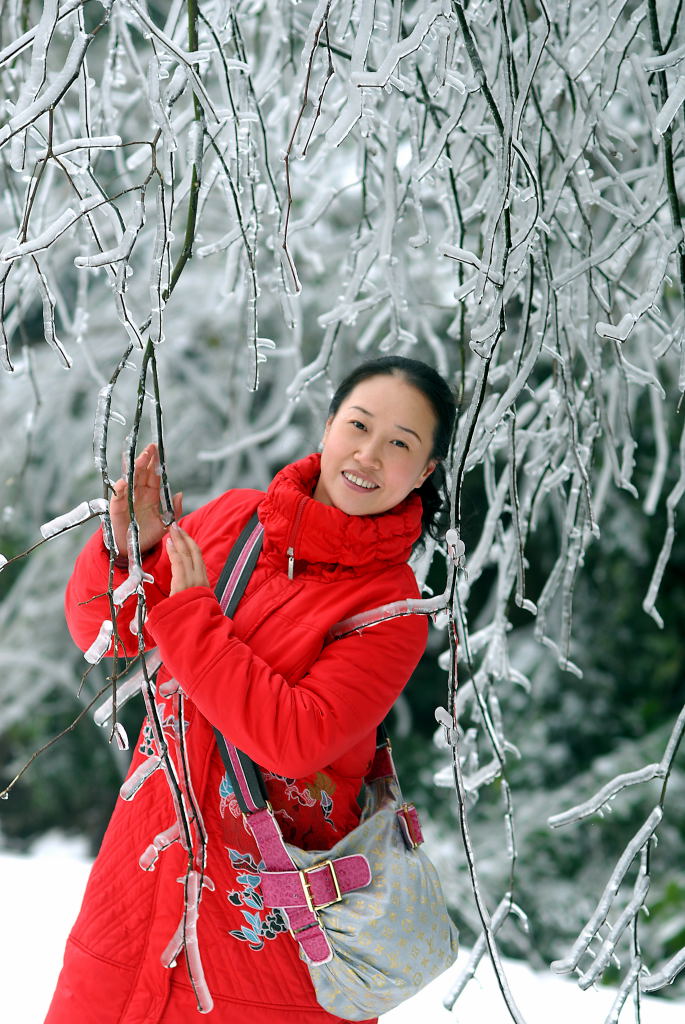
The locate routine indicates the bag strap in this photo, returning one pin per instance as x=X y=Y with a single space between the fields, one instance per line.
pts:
x=246 y=778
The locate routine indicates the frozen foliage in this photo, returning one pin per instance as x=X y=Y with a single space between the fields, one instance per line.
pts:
x=200 y=197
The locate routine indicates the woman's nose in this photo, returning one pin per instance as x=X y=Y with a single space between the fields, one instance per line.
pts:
x=368 y=453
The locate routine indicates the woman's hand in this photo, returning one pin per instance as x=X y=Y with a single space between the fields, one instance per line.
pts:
x=187 y=564
x=146 y=503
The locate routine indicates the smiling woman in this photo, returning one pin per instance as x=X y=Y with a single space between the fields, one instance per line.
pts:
x=338 y=529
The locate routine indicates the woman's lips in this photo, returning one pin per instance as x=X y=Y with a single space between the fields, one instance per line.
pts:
x=351 y=481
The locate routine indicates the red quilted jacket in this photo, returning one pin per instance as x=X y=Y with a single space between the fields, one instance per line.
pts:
x=302 y=706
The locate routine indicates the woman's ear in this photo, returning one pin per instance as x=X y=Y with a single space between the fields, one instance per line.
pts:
x=426 y=472
x=325 y=431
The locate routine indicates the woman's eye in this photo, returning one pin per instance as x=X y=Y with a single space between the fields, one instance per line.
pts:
x=400 y=444
x=358 y=424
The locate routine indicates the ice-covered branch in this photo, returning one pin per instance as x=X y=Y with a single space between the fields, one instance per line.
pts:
x=606 y=793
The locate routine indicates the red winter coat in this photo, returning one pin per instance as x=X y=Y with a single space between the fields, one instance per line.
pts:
x=303 y=707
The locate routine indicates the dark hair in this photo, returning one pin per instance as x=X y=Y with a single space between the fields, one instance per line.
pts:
x=434 y=388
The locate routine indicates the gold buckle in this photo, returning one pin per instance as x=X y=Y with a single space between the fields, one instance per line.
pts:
x=315 y=907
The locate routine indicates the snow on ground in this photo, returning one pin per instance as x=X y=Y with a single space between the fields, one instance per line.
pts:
x=41 y=895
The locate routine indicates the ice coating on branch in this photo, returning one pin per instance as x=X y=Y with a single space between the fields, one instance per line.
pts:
x=185 y=938
x=143 y=772
x=670 y=108
x=87 y=142
x=130 y=687
x=599 y=916
x=101 y=644
x=161 y=842
x=42 y=241
x=666 y=975
x=122 y=251
x=130 y=586
x=52 y=92
x=120 y=735
x=86 y=510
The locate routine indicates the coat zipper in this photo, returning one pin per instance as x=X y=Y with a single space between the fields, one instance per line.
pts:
x=293 y=532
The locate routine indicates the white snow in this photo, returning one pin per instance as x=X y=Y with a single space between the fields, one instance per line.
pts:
x=41 y=894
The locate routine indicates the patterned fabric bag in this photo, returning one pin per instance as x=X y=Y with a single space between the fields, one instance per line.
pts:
x=392 y=937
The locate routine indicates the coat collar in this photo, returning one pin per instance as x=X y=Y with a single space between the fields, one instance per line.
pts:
x=325 y=536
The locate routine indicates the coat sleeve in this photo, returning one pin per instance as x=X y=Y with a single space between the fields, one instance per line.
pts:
x=291 y=727
x=86 y=603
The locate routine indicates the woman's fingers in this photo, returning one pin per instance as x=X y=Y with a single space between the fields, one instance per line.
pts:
x=187 y=564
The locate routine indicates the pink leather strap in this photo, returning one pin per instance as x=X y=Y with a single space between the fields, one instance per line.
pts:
x=316 y=887
x=410 y=826
x=382 y=766
x=304 y=924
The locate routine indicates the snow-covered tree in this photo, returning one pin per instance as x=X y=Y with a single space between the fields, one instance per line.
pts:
x=211 y=208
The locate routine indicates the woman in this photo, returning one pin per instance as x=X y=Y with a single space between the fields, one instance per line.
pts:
x=338 y=530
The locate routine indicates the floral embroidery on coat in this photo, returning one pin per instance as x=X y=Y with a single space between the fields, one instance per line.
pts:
x=256 y=928
x=247 y=897
x=318 y=790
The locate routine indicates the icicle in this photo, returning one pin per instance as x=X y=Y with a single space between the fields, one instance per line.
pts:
x=669 y=109
x=121 y=736
x=130 y=585
x=129 y=688
x=162 y=841
x=49 y=319
x=101 y=644
x=13 y=251
x=143 y=772
x=86 y=510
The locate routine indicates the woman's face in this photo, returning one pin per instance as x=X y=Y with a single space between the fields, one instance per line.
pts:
x=377 y=447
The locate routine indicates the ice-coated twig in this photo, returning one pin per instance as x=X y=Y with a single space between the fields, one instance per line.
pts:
x=467 y=973
x=606 y=793
x=86 y=510
x=161 y=842
x=649 y=603
x=143 y=772
x=599 y=916
x=393 y=610
x=130 y=687
x=626 y=918
x=185 y=940
x=100 y=644
x=53 y=92
x=655 y=980
x=625 y=988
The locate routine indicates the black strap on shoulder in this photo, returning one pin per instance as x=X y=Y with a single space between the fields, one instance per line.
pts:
x=244 y=775
x=231 y=561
